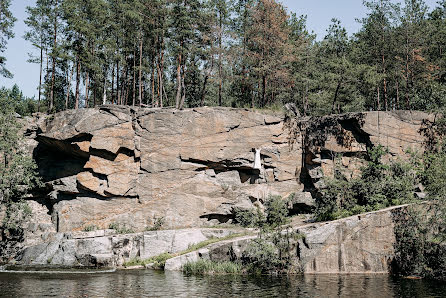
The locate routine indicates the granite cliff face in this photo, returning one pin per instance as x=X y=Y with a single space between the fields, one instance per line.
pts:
x=123 y=165
x=192 y=167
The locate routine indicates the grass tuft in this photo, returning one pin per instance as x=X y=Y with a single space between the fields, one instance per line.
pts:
x=208 y=267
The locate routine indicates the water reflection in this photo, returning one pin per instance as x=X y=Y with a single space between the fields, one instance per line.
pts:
x=175 y=284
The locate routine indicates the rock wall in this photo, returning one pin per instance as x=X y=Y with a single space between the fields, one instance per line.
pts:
x=192 y=167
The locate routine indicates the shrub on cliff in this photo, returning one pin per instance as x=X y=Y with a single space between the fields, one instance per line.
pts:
x=421 y=229
x=17 y=169
x=18 y=176
x=269 y=253
x=380 y=185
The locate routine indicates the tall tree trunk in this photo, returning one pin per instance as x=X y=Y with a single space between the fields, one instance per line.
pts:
x=263 y=90
x=118 y=94
x=153 y=83
x=206 y=78
x=203 y=90
x=161 y=79
x=40 y=79
x=113 y=85
x=378 y=103
x=178 y=98
x=140 y=70
x=78 y=70
x=183 y=96
x=407 y=71
x=134 y=79
x=384 y=83
x=159 y=89
x=104 y=93
x=220 y=83
x=397 y=95
x=67 y=99
x=183 y=86
x=94 y=97
x=335 y=98
x=53 y=74
x=87 y=82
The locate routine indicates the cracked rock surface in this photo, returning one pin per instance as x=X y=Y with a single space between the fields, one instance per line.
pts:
x=116 y=164
x=192 y=167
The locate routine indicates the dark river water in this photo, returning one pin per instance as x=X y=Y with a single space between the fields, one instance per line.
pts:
x=146 y=283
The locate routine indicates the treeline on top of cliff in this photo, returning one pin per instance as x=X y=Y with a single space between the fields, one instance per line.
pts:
x=236 y=53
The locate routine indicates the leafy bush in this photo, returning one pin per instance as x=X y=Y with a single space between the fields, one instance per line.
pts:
x=249 y=218
x=261 y=256
x=270 y=252
x=16 y=214
x=275 y=215
x=202 y=267
x=121 y=228
x=158 y=222
x=421 y=229
x=421 y=241
x=90 y=228
x=379 y=186
x=434 y=174
x=18 y=171
x=276 y=212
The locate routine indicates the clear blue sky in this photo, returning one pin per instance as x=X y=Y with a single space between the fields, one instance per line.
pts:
x=319 y=12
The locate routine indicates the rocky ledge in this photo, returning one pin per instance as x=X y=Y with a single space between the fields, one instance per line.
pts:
x=358 y=244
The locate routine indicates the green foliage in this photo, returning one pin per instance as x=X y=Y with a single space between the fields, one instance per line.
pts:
x=276 y=212
x=202 y=267
x=274 y=216
x=7 y=21
x=121 y=228
x=249 y=218
x=421 y=241
x=380 y=185
x=234 y=53
x=270 y=252
x=420 y=229
x=90 y=228
x=434 y=174
x=158 y=223
x=18 y=173
x=261 y=256
x=16 y=214
x=158 y=262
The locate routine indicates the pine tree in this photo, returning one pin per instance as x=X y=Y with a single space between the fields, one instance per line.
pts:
x=268 y=48
x=37 y=35
x=6 y=24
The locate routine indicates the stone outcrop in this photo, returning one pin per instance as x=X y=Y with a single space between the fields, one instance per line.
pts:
x=105 y=248
x=358 y=244
x=341 y=141
x=192 y=167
